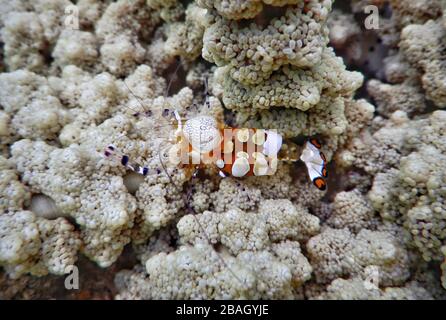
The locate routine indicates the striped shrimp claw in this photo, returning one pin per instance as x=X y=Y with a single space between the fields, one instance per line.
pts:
x=112 y=152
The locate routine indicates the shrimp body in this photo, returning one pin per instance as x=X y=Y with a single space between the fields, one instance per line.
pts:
x=239 y=152
x=235 y=152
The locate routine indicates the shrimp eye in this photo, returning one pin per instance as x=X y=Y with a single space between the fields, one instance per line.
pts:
x=166 y=112
x=315 y=143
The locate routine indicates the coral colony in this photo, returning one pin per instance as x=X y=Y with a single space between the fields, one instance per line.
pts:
x=115 y=149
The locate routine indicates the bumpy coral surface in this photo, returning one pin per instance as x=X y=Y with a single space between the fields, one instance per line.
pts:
x=78 y=76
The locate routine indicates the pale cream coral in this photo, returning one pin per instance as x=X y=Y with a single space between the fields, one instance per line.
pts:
x=36 y=245
x=8 y=6
x=382 y=251
x=338 y=253
x=255 y=240
x=13 y=194
x=288 y=221
x=52 y=16
x=181 y=269
x=201 y=194
x=273 y=278
x=327 y=254
x=422 y=46
x=351 y=210
x=240 y=231
x=343 y=28
x=23 y=35
x=29 y=35
x=90 y=11
x=289 y=253
x=95 y=99
x=359 y=115
x=126 y=18
x=413 y=193
x=120 y=29
x=121 y=54
x=415 y=11
x=358 y=289
x=398 y=70
x=32 y=110
x=19 y=88
x=233 y=9
x=158 y=204
x=237 y=9
x=59 y=247
x=426 y=218
x=158 y=201
x=405 y=97
x=411 y=291
x=349 y=289
x=253 y=53
x=7 y=134
x=185 y=38
x=235 y=194
x=91 y=99
x=380 y=196
x=199 y=272
x=180 y=37
x=278 y=186
x=293 y=86
x=69 y=177
x=20 y=241
x=4 y=125
x=75 y=47
x=276 y=220
x=408 y=190
x=41 y=119
x=169 y=10
x=163 y=240
x=382 y=149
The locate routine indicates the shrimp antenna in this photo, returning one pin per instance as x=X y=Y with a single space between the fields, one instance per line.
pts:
x=136 y=112
x=137 y=98
x=171 y=78
x=192 y=211
x=206 y=92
